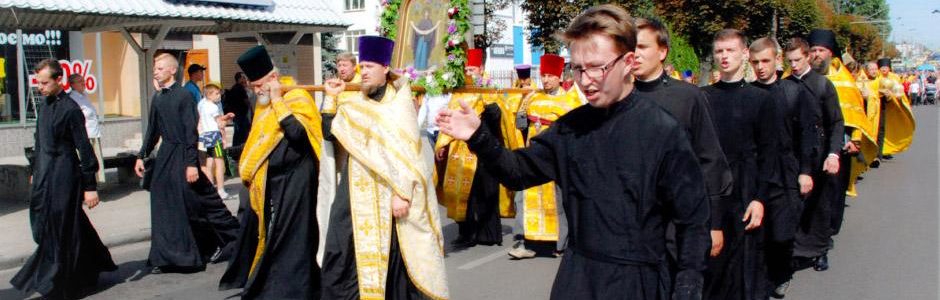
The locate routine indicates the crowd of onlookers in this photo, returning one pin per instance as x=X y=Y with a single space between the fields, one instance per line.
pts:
x=921 y=86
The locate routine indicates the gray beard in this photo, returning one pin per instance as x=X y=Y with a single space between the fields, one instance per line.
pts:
x=263 y=99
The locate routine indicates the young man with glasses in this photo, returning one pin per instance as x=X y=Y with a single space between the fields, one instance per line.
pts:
x=625 y=168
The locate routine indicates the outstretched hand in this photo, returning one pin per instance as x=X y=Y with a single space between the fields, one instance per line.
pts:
x=459 y=124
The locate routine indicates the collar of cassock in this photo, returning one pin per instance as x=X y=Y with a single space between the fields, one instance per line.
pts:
x=53 y=98
x=167 y=89
x=654 y=84
x=379 y=93
x=730 y=84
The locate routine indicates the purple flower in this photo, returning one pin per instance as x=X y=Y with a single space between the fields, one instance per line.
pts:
x=451 y=57
x=451 y=29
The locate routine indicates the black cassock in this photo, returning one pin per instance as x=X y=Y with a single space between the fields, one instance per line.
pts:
x=482 y=224
x=798 y=145
x=744 y=119
x=288 y=268
x=189 y=221
x=624 y=172
x=69 y=254
x=236 y=102
x=814 y=235
x=689 y=105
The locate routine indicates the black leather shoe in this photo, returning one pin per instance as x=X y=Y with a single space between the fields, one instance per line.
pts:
x=822 y=263
x=888 y=157
x=875 y=164
x=156 y=270
x=217 y=256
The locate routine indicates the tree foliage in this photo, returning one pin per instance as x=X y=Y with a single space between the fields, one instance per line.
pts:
x=546 y=18
x=864 y=41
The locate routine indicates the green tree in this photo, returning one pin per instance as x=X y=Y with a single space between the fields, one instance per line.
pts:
x=330 y=44
x=546 y=18
x=681 y=54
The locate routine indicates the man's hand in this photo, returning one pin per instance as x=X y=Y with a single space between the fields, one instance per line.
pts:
x=156 y=85
x=139 y=168
x=754 y=213
x=831 y=165
x=851 y=147
x=334 y=86
x=806 y=184
x=192 y=174
x=459 y=124
x=441 y=153
x=273 y=89
x=91 y=199
x=400 y=207
x=718 y=242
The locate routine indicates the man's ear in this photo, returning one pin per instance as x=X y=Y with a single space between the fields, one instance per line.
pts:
x=629 y=60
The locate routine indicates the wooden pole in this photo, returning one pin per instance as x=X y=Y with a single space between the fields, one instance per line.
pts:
x=351 y=87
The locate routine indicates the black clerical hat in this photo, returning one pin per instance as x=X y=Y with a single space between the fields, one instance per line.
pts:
x=825 y=38
x=524 y=71
x=884 y=62
x=256 y=63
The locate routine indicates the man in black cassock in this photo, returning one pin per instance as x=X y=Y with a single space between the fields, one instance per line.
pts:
x=832 y=164
x=798 y=118
x=69 y=254
x=624 y=165
x=689 y=105
x=275 y=253
x=744 y=118
x=190 y=224
x=236 y=102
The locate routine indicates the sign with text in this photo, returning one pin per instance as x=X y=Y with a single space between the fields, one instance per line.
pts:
x=82 y=67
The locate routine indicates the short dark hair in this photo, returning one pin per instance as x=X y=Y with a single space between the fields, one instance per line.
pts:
x=55 y=69
x=797 y=43
x=239 y=75
x=657 y=27
x=731 y=33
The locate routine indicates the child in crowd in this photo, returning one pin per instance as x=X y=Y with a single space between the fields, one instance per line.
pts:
x=211 y=123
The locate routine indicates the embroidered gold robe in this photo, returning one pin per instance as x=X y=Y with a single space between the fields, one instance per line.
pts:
x=387 y=157
x=854 y=115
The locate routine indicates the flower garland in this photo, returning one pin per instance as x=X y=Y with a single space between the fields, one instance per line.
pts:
x=451 y=74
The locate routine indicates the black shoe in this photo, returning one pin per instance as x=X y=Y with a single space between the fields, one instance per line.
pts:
x=156 y=270
x=822 y=263
x=875 y=164
x=780 y=290
x=217 y=256
x=463 y=242
x=888 y=157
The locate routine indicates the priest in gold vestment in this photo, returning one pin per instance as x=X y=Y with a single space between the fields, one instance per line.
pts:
x=383 y=240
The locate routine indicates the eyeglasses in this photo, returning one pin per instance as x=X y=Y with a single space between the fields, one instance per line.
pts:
x=596 y=73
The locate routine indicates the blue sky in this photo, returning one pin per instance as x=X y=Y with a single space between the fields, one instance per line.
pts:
x=913 y=20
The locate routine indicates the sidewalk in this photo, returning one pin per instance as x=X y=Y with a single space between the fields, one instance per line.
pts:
x=122 y=217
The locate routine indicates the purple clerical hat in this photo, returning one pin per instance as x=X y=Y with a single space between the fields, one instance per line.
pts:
x=376 y=49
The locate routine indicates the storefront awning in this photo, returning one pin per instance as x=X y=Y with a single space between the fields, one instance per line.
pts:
x=198 y=16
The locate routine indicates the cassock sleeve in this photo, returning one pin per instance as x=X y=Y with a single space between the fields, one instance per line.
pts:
x=718 y=178
x=519 y=169
x=808 y=122
x=294 y=131
x=680 y=185
x=88 y=161
x=765 y=133
x=833 y=115
x=190 y=118
x=153 y=133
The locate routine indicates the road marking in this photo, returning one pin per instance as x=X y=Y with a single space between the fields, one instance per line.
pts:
x=485 y=259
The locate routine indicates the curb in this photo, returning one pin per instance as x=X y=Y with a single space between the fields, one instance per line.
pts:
x=126 y=239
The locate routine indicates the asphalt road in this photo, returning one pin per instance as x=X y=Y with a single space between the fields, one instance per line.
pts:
x=888 y=248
